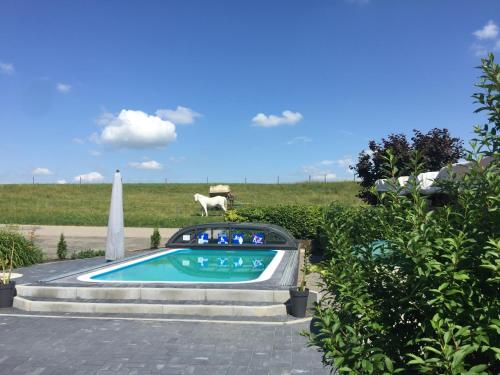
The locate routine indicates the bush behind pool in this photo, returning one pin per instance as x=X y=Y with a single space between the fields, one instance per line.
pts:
x=25 y=253
x=302 y=221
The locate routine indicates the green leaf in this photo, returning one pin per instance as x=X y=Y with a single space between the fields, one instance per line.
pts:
x=388 y=364
x=478 y=369
x=431 y=349
x=460 y=276
x=344 y=369
x=416 y=360
x=443 y=286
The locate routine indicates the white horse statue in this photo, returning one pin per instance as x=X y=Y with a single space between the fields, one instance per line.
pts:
x=205 y=202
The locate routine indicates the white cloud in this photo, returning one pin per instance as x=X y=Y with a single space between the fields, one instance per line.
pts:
x=327 y=176
x=104 y=118
x=177 y=159
x=479 y=50
x=62 y=182
x=486 y=40
x=345 y=162
x=42 y=171
x=78 y=140
x=318 y=174
x=298 y=140
x=287 y=118
x=180 y=115
x=89 y=177
x=6 y=68
x=63 y=87
x=150 y=164
x=136 y=129
x=95 y=153
x=329 y=168
x=489 y=31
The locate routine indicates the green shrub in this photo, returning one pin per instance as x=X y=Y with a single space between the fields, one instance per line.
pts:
x=62 y=247
x=25 y=252
x=88 y=253
x=430 y=305
x=155 y=239
x=303 y=221
x=358 y=225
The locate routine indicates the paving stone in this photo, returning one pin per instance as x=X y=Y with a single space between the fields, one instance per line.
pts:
x=257 y=371
x=125 y=347
x=280 y=371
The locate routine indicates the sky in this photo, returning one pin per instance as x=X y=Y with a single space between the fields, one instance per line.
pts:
x=186 y=91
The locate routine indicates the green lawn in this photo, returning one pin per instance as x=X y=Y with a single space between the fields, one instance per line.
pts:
x=163 y=205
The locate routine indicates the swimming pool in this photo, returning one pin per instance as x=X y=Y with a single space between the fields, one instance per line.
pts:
x=218 y=266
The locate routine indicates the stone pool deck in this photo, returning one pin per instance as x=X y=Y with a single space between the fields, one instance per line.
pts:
x=54 y=288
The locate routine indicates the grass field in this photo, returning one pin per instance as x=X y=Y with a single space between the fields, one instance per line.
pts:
x=148 y=205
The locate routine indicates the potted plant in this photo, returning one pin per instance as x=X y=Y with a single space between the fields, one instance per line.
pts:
x=299 y=295
x=7 y=286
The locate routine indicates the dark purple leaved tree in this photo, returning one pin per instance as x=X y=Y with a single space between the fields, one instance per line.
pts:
x=437 y=149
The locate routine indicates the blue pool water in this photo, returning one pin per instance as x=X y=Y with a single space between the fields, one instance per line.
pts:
x=188 y=265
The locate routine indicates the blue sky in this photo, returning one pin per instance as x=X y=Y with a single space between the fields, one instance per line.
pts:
x=229 y=89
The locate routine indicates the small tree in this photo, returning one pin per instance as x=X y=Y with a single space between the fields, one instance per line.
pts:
x=370 y=162
x=155 y=239
x=437 y=149
x=62 y=247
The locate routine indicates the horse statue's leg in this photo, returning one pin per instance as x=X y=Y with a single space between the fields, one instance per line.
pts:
x=205 y=208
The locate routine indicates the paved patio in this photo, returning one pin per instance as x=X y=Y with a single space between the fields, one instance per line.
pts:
x=65 y=345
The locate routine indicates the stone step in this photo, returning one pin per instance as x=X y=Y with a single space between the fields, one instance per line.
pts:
x=205 y=309
x=153 y=294
x=150 y=302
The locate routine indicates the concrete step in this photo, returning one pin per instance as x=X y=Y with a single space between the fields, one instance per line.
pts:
x=153 y=294
x=150 y=302
x=105 y=306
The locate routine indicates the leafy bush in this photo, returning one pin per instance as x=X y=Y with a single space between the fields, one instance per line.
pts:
x=302 y=221
x=358 y=224
x=88 y=253
x=155 y=239
x=430 y=305
x=62 y=247
x=25 y=252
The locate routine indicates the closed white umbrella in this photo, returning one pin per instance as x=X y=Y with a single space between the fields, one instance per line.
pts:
x=116 y=233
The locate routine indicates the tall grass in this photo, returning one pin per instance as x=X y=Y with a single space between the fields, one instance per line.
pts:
x=150 y=205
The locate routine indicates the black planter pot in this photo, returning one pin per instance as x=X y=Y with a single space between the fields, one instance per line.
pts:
x=298 y=300
x=7 y=294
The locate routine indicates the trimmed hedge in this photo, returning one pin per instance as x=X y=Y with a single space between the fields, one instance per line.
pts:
x=303 y=221
x=25 y=253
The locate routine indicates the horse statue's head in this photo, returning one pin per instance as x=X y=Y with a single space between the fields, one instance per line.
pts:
x=196 y=197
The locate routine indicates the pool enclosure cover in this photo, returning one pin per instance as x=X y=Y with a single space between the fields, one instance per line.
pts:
x=234 y=235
